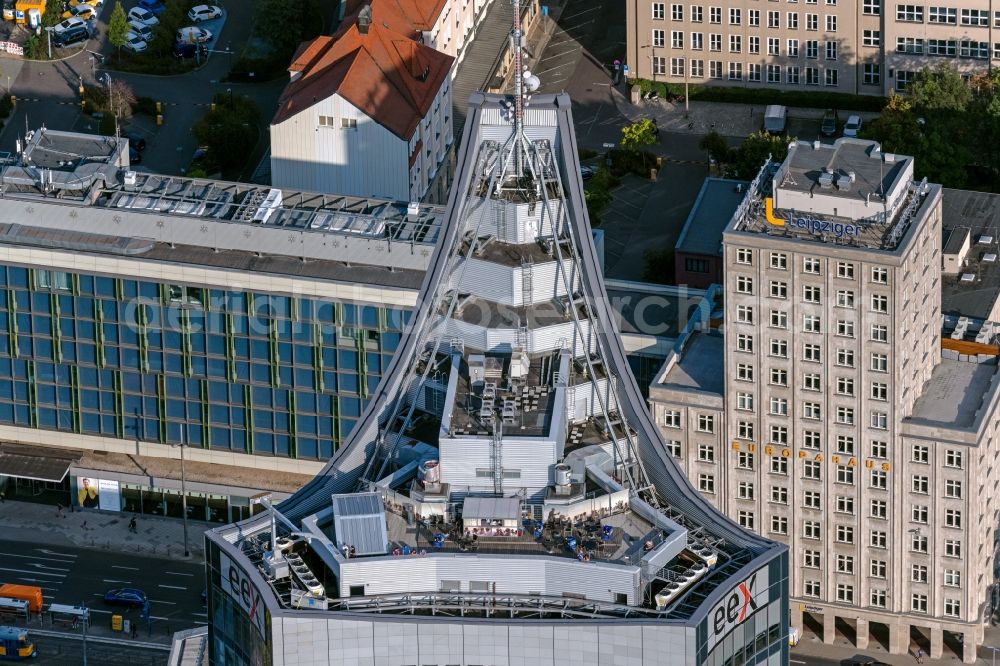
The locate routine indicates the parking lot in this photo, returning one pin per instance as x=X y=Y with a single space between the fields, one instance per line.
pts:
x=47 y=92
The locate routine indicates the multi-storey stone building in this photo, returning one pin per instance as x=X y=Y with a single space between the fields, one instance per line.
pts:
x=866 y=47
x=826 y=417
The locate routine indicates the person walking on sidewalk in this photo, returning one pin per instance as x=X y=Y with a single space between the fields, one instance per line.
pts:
x=135 y=628
x=132 y=526
x=920 y=655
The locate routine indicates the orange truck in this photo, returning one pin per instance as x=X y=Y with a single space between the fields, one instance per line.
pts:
x=29 y=593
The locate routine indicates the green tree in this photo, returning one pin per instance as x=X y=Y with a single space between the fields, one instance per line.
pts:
x=637 y=134
x=716 y=146
x=747 y=160
x=230 y=132
x=896 y=127
x=118 y=27
x=939 y=89
x=53 y=12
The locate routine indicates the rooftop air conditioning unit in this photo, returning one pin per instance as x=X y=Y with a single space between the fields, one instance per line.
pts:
x=413 y=209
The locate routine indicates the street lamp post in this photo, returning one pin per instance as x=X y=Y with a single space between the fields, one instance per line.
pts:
x=86 y=621
x=184 y=506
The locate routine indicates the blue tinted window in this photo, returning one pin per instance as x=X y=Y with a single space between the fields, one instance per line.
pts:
x=263 y=442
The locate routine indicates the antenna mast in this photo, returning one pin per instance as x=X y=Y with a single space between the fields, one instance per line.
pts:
x=517 y=47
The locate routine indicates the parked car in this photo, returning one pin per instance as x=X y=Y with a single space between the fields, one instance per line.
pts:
x=852 y=126
x=204 y=13
x=141 y=29
x=136 y=140
x=135 y=43
x=154 y=6
x=587 y=171
x=85 y=12
x=188 y=50
x=143 y=16
x=93 y=3
x=193 y=35
x=74 y=22
x=125 y=596
x=829 y=125
x=70 y=36
x=775 y=118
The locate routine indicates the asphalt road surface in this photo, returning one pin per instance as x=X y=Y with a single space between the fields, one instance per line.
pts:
x=78 y=576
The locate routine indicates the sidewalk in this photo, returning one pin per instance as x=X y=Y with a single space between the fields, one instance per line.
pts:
x=727 y=119
x=86 y=528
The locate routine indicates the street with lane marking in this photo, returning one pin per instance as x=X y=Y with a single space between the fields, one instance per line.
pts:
x=77 y=576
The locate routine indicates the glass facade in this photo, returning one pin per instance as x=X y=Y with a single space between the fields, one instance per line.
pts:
x=252 y=372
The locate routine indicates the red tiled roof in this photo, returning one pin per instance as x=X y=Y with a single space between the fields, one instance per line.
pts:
x=379 y=72
x=407 y=17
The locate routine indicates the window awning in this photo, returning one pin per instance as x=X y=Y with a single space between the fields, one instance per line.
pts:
x=36 y=467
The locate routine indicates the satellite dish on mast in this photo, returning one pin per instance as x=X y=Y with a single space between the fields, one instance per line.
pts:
x=531 y=81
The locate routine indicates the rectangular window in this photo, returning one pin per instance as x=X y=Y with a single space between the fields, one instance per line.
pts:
x=880 y=362
x=919 y=484
x=715 y=44
x=349 y=123
x=744 y=256
x=744 y=314
x=735 y=46
x=744 y=285
x=845 y=505
x=831 y=23
x=845 y=386
x=745 y=519
x=880 y=275
x=811 y=265
x=976 y=17
x=845 y=445
x=779 y=377
x=918 y=603
x=811 y=559
x=878 y=539
x=845 y=474
x=952 y=518
x=744 y=372
x=715 y=14
x=845 y=415
x=879 y=509
x=674 y=448
x=697 y=41
x=845 y=358
x=872 y=7
x=706 y=453
x=659 y=65
x=845 y=534
x=920 y=453
x=845 y=564
x=811 y=324
x=812 y=49
x=918 y=514
x=812 y=22
x=910 y=45
x=779 y=494
x=953 y=489
x=880 y=333
x=779 y=348
x=778 y=260
x=952 y=578
x=659 y=38
x=698 y=67
x=872 y=38
x=697 y=13
x=845 y=329
x=942 y=47
x=953 y=458
x=811 y=439
x=706 y=483
x=811 y=410
x=812 y=353
x=744 y=402
x=744 y=460
x=676 y=12
x=677 y=66
x=706 y=423
x=871 y=74
x=879 y=450
x=952 y=548
x=918 y=573
x=811 y=588
x=945 y=15
x=910 y=13
x=659 y=11
x=779 y=435
x=878 y=569
x=792 y=71
x=830 y=77
x=774 y=71
x=811 y=499
x=779 y=524
x=744 y=342
x=879 y=479
x=672 y=418
x=734 y=16
x=880 y=391
x=779 y=319
x=753 y=18
x=918 y=542
x=811 y=294
x=792 y=20
x=744 y=430
x=812 y=469
x=677 y=42
x=952 y=607
x=811 y=529
x=779 y=289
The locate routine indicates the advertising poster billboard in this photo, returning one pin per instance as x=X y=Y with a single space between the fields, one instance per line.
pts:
x=88 y=492
x=109 y=495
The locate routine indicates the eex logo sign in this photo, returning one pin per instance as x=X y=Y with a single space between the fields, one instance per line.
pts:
x=740 y=603
x=737 y=604
x=244 y=593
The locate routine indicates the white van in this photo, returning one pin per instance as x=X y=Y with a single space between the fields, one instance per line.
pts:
x=775 y=117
